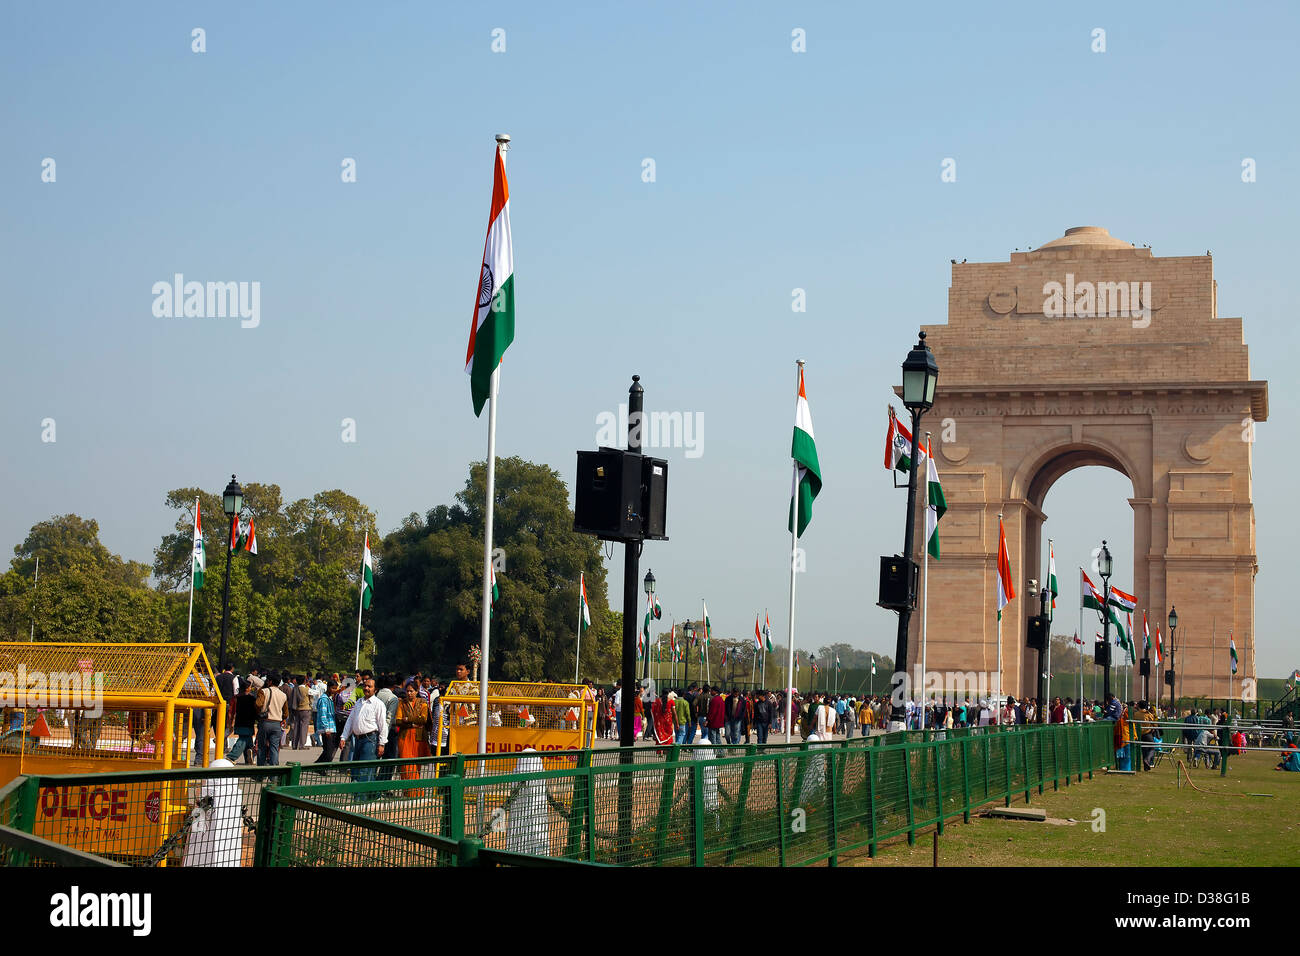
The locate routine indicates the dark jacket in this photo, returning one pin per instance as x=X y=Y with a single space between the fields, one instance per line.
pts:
x=245 y=711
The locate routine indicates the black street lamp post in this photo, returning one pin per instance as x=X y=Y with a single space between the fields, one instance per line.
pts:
x=920 y=375
x=1104 y=568
x=1169 y=674
x=232 y=503
x=649 y=584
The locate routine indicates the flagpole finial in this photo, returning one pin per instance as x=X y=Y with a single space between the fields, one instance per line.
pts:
x=503 y=140
x=800 y=362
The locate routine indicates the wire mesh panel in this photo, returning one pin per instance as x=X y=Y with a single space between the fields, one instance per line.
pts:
x=186 y=818
x=306 y=833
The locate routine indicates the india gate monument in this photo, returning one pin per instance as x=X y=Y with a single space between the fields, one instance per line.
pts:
x=1089 y=351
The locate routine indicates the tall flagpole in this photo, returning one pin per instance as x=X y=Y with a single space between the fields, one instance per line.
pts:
x=503 y=144
x=37 y=580
x=925 y=587
x=577 y=655
x=704 y=623
x=189 y=625
x=997 y=704
x=361 y=596
x=794 y=550
x=1048 y=636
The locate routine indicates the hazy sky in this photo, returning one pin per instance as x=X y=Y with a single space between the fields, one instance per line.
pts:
x=774 y=170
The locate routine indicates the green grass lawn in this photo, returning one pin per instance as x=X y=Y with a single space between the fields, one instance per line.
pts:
x=1149 y=821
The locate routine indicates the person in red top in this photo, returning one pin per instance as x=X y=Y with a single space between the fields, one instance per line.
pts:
x=717 y=718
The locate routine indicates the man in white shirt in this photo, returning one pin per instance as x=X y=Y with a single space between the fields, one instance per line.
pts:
x=367 y=727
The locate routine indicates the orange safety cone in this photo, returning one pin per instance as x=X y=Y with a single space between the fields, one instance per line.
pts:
x=40 y=728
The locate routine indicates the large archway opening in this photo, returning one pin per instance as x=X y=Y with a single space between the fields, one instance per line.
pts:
x=1078 y=498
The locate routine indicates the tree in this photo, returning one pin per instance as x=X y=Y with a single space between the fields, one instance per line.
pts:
x=429 y=586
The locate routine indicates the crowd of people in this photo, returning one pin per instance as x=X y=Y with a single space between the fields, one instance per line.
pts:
x=372 y=716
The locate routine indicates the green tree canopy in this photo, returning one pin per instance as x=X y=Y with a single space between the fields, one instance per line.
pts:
x=428 y=589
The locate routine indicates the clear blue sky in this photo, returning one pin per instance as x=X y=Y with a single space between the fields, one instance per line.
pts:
x=774 y=170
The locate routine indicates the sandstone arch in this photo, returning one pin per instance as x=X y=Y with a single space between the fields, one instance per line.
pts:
x=1159 y=395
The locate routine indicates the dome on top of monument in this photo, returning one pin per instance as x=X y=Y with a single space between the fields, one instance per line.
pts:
x=1086 y=237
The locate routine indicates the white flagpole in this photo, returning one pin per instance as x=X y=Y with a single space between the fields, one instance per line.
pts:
x=356 y=662
x=486 y=612
x=794 y=550
x=489 y=510
x=997 y=704
x=1048 y=637
x=37 y=580
x=189 y=625
x=925 y=582
x=577 y=655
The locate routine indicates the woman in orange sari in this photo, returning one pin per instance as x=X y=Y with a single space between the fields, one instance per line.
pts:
x=411 y=724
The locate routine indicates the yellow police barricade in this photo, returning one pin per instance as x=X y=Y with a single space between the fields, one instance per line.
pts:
x=545 y=717
x=98 y=708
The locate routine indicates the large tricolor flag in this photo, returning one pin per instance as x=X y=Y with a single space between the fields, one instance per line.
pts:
x=493 y=327
x=708 y=628
x=584 y=621
x=1232 y=649
x=935 y=507
x=758 y=635
x=200 y=562
x=496 y=591
x=807 y=482
x=367 y=574
x=767 y=631
x=1006 y=592
x=1160 y=654
x=1146 y=632
x=656 y=608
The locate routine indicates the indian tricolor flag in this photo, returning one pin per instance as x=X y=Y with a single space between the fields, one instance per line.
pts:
x=493 y=327
x=807 y=470
x=935 y=507
x=898 y=445
x=1005 y=590
x=1160 y=654
x=1232 y=649
x=584 y=619
x=200 y=562
x=367 y=574
x=767 y=631
x=1051 y=573
x=1091 y=597
x=758 y=635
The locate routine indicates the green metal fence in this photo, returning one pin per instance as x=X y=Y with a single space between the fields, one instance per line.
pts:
x=785 y=806
x=781 y=804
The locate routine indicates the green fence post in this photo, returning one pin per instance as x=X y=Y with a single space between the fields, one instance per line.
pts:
x=907 y=789
x=573 y=834
x=25 y=815
x=938 y=784
x=988 y=770
x=832 y=799
x=1056 y=764
x=665 y=804
x=295 y=774
x=456 y=807
x=265 y=828
x=742 y=798
x=965 y=778
x=871 y=801
x=1006 y=751
x=458 y=771
x=1088 y=737
x=780 y=815
x=800 y=770
x=1024 y=759
x=590 y=776
x=697 y=815
x=467 y=852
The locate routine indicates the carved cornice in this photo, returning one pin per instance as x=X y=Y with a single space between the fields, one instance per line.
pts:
x=1158 y=399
